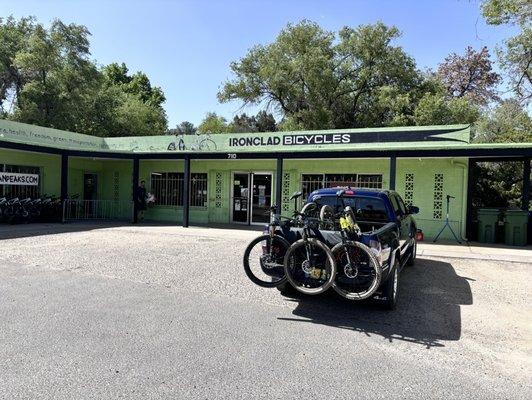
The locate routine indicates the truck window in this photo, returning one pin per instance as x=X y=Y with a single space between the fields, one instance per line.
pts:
x=370 y=209
x=395 y=205
x=401 y=205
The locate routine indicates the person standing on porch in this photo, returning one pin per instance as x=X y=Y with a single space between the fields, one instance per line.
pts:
x=140 y=199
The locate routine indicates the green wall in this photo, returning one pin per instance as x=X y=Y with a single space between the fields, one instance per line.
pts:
x=50 y=168
x=421 y=182
x=420 y=174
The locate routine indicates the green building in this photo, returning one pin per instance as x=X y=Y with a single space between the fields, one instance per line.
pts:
x=233 y=178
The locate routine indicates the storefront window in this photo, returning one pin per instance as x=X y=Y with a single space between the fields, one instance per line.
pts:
x=198 y=190
x=310 y=182
x=373 y=181
x=167 y=187
x=20 y=191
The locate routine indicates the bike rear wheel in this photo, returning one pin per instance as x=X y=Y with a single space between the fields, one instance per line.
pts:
x=263 y=260
x=360 y=278
x=309 y=266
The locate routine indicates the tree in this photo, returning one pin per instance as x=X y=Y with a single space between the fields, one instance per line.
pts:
x=139 y=108
x=499 y=184
x=47 y=72
x=508 y=122
x=213 y=123
x=437 y=109
x=516 y=57
x=243 y=124
x=185 y=128
x=470 y=76
x=138 y=84
x=48 y=79
x=265 y=122
x=318 y=79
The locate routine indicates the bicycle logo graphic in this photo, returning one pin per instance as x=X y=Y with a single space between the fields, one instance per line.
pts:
x=203 y=142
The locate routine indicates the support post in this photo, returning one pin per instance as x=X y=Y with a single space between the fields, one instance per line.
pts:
x=469 y=199
x=526 y=184
x=64 y=177
x=279 y=184
x=186 y=192
x=393 y=171
x=135 y=183
x=64 y=185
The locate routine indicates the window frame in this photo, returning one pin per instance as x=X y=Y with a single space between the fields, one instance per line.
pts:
x=35 y=189
x=324 y=180
x=180 y=181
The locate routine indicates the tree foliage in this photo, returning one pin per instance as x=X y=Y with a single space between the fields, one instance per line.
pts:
x=213 y=123
x=437 y=109
x=357 y=77
x=47 y=78
x=318 y=79
x=500 y=184
x=516 y=56
x=184 y=128
x=262 y=122
x=508 y=122
x=470 y=75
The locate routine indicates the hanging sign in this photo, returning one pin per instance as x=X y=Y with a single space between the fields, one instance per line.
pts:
x=14 y=178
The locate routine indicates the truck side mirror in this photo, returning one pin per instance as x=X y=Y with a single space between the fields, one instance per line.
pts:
x=413 y=210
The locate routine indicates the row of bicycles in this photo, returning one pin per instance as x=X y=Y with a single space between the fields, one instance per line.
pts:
x=313 y=250
x=23 y=211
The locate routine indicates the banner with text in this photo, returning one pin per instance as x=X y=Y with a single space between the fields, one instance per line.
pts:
x=14 y=178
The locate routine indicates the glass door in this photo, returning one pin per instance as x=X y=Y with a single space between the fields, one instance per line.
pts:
x=262 y=197
x=90 y=194
x=240 y=198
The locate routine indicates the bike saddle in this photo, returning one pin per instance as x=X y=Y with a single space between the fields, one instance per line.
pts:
x=296 y=195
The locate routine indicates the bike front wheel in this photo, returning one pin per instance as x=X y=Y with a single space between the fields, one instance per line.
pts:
x=358 y=271
x=309 y=266
x=263 y=260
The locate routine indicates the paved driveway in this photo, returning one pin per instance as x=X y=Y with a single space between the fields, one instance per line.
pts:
x=167 y=313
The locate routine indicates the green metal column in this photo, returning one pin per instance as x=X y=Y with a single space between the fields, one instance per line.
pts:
x=526 y=185
x=393 y=171
x=135 y=184
x=64 y=176
x=186 y=192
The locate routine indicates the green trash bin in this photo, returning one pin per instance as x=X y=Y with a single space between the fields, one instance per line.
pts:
x=515 y=227
x=487 y=222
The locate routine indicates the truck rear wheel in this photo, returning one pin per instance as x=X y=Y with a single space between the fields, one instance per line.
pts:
x=413 y=254
x=390 y=288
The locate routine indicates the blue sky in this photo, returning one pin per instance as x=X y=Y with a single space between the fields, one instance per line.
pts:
x=186 y=46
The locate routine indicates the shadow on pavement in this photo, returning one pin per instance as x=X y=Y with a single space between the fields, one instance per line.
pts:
x=428 y=309
x=51 y=228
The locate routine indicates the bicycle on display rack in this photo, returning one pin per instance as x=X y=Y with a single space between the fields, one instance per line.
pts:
x=309 y=263
x=264 y=256
x=358 y=271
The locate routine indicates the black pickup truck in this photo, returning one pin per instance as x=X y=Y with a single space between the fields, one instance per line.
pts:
x=388 y=229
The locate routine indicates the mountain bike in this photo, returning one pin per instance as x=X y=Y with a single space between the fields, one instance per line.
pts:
x=309 y=263
x=264 y=256
x=358 y=271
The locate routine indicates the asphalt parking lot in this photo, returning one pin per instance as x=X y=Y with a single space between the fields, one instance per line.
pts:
x=160 y=312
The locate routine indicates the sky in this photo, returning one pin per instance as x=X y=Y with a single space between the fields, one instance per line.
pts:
x=185 y=47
